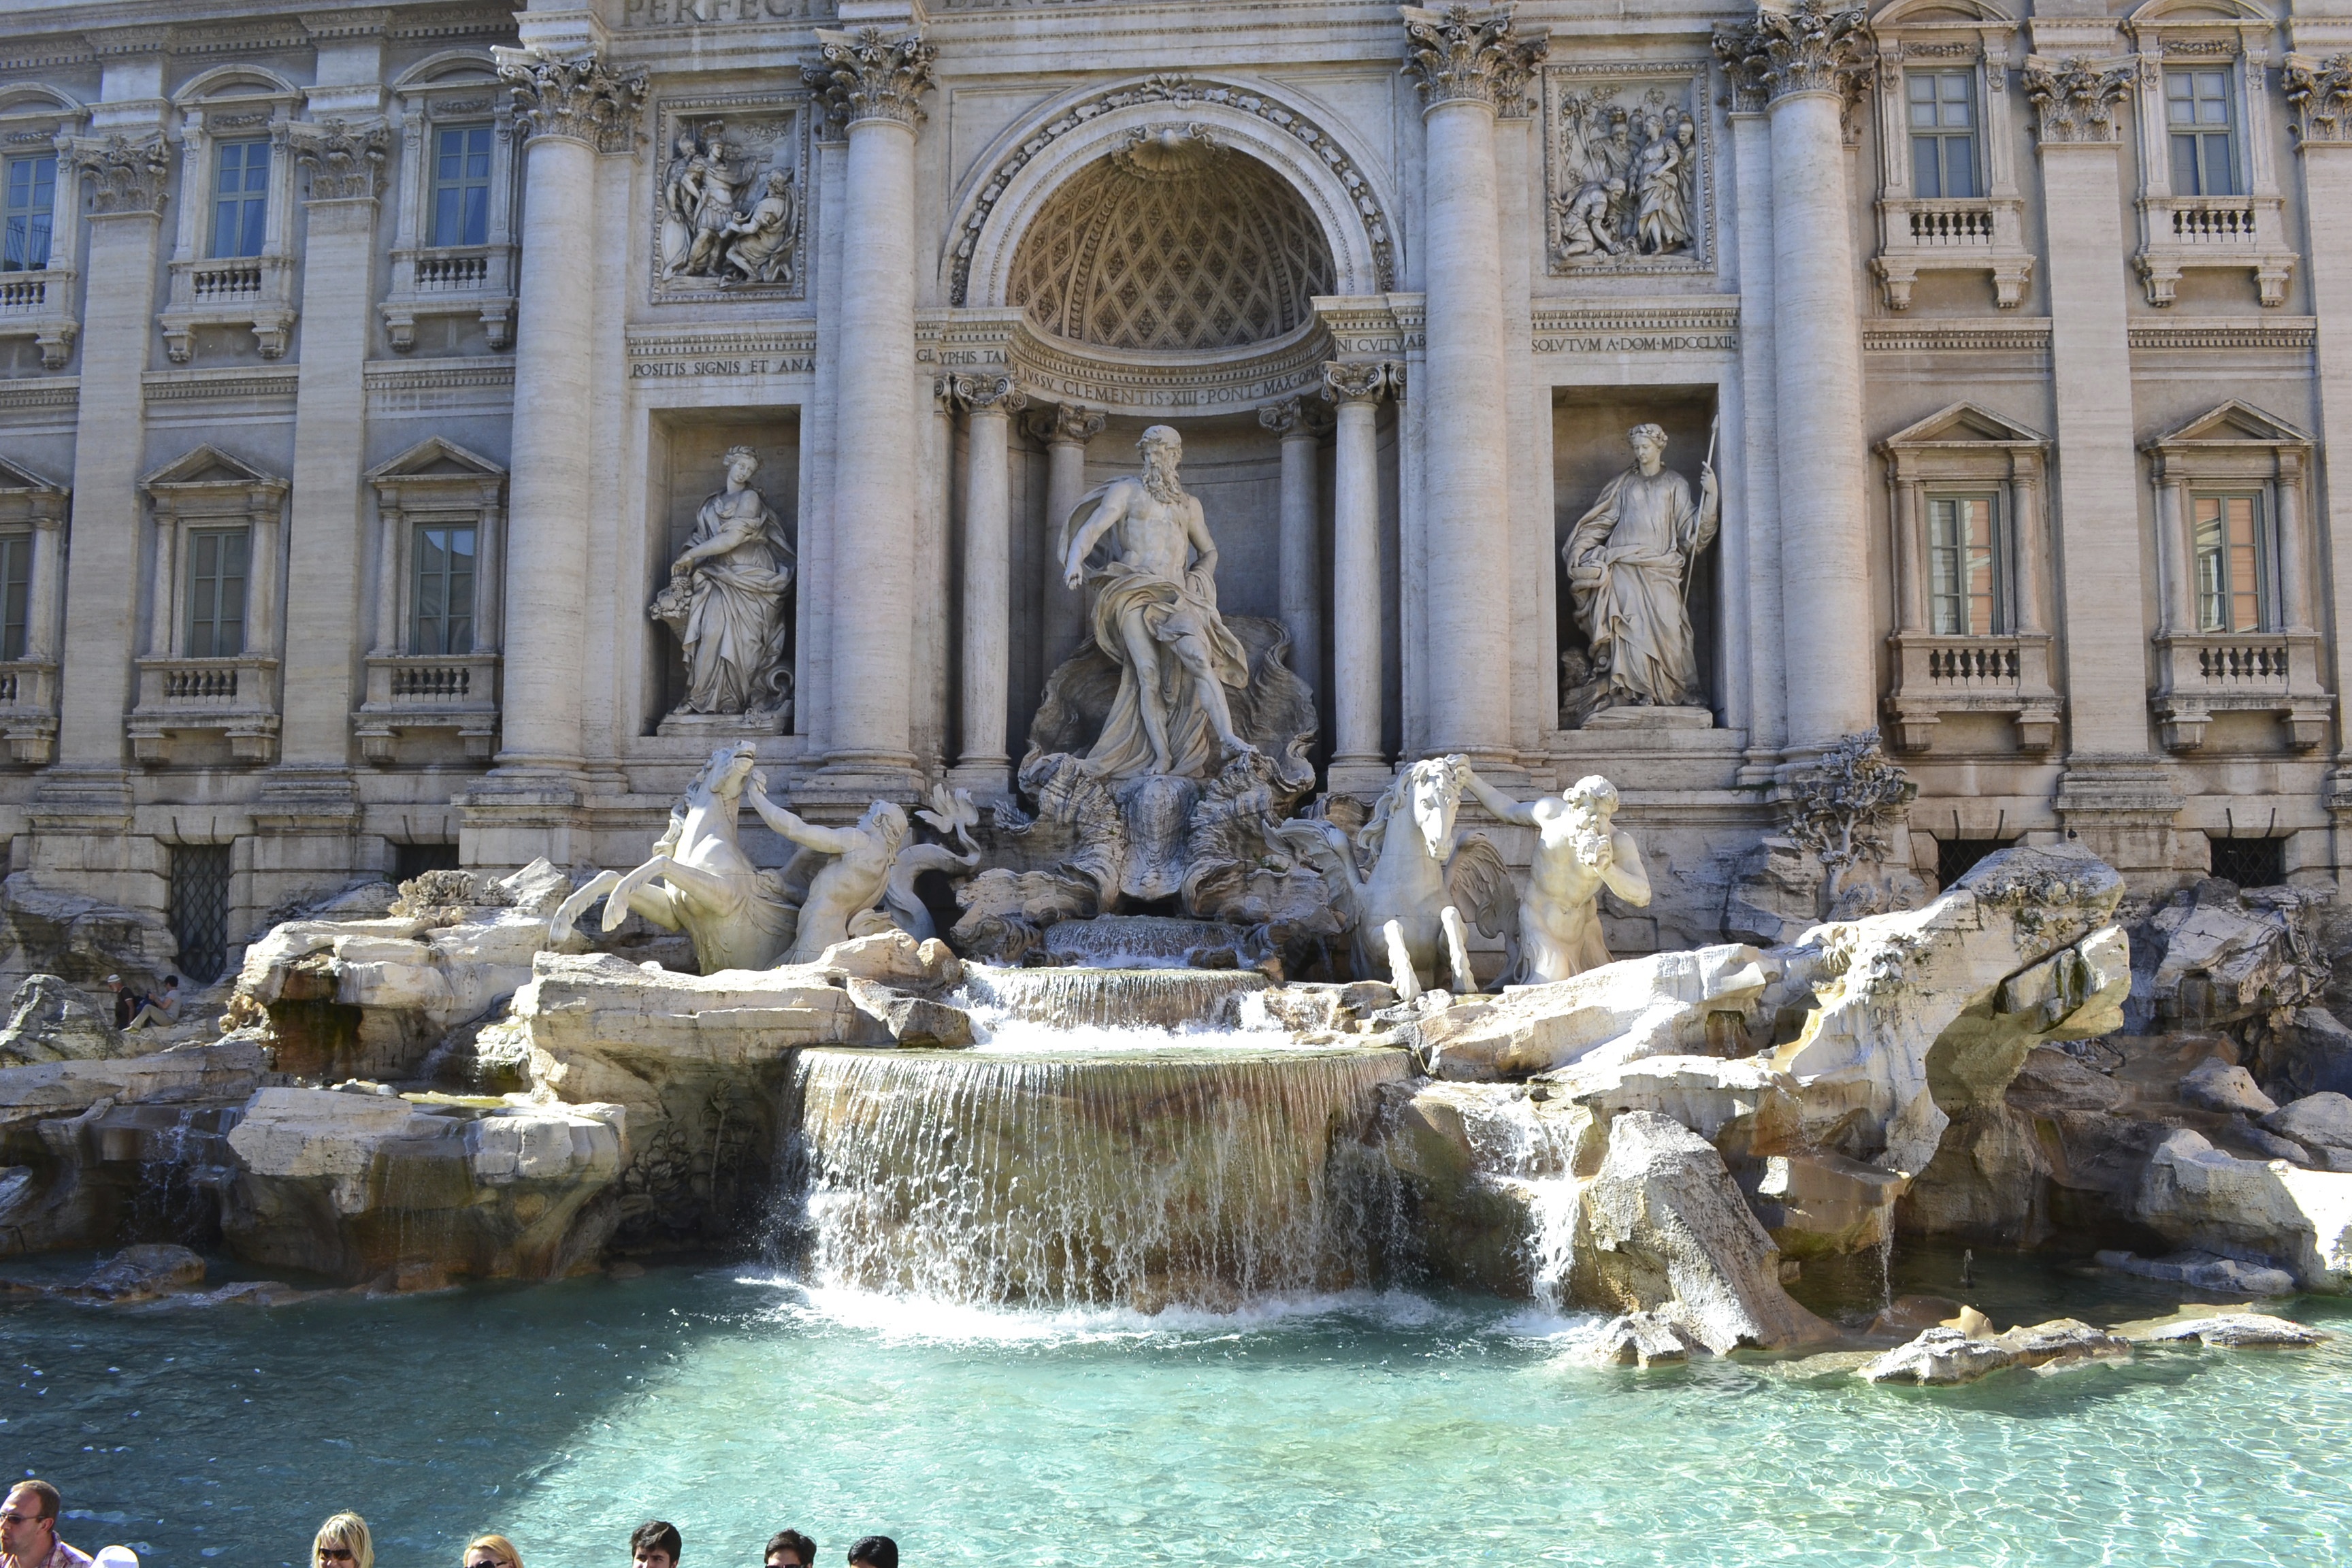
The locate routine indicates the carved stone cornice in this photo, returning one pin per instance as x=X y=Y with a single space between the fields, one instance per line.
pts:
x=1461 y=54
x=346 y=161
x=579 y=98
x=127 y=177
x=2074 y=99
x=871 y=75
x=988 y=393
x=1347 y=381
x=1809 y=46
x=2321 y=93
x=1068 y=424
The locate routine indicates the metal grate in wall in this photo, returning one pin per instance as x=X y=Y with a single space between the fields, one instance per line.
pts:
x=199 y=908
x=410 y=861
x=1956 y=857
x=2249 y=862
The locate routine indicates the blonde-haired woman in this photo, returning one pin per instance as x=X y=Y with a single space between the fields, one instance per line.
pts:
x=492 y=1552
x=343 y=1542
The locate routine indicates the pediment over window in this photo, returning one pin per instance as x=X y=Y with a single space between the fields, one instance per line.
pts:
x=1968 y=422
x=437 y=458
x=15 y=478
x=2235 y=421
x=208 y=465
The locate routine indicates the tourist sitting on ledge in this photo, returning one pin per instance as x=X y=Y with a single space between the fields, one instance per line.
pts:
x=163 y=1009
x=874 y=1552
x=343 y=1542
x=28 y=1529
x=655 y=1544
x=790 y=1548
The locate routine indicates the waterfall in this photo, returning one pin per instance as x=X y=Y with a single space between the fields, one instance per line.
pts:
x=1198 y=1175
x=1079 y=998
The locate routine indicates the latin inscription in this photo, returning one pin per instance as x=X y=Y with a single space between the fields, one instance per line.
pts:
x=679 y=13
x=1643 y=343
x=671 y=369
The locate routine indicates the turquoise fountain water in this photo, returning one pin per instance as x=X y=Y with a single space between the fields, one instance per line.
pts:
x=1368 y=1429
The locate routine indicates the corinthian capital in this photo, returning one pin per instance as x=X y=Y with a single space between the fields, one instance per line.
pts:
x=2077 y=97
x=346 y=162
x=1806 y=46
x=1460 y=54
x=126 y=177
x=870 y=75
x=2321 y=91
x=578 y=97
x=1346 y=381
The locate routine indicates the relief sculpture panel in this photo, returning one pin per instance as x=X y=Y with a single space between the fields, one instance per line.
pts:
x=731 y=199
x=1627 y=154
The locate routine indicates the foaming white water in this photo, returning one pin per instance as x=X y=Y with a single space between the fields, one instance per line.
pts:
x=1003 y=1033
x=1082 y=998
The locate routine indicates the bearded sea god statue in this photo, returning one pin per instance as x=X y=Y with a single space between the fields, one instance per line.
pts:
x=1629 y=563
x=1578 y=852
x=726 y=599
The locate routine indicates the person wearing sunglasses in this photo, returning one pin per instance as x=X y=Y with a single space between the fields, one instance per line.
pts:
x=790 y=1548
x=28 y=1529
x=492 y=1552
x=343 y=1542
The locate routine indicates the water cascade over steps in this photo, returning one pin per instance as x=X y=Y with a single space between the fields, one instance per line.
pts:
x=1060 y=1164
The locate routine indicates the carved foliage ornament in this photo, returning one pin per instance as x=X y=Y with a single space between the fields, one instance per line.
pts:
x=1459 y=55
x=1346 y=381
x=1069 y=422
x=2075 y=99
x=1180 y=90
x=346 y=163
x=126 y=177
x=2321 y=93
x=983 y=393
x=579 y=98
x=869 y=75
x=1812 y=45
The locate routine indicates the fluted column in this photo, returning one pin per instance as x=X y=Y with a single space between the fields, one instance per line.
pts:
x=569 y=109
x=1465 y=62
x=1800 y=56
x=981 y=762
x=1066 y=429
x=871 y=82
x=1358 y=762
x=1299 y=571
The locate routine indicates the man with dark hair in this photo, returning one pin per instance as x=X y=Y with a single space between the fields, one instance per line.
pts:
x=790 y=1548
x=654 y=1544
x=28 y=1529
x=874 y=1552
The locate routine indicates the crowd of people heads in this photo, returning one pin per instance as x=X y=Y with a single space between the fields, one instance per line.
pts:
x=28 y=1539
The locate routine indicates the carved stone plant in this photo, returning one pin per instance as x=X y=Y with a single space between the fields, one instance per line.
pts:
x=1842 y=807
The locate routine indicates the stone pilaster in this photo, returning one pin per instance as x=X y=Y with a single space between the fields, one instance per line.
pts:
x=570 y=107
x=1359 y=763
x=1755 y=525
x=981 y=762
x=1066 y=429
x=309 y=800
x=1299 y=550
x=81 y=815
x=2319 y=91
x=1467 y=63
x=871 y=82
x=2114 y=796
x=1801 y=57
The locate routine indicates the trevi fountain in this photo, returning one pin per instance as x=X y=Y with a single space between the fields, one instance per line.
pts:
x=1309 y=1105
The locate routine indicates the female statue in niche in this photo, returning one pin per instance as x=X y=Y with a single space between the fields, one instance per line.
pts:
x=726 y=599
x=1629 y=561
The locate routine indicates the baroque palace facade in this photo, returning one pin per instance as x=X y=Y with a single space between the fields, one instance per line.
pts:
x=428 y=430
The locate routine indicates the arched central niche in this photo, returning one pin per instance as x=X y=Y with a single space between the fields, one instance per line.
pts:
x=1175 y=241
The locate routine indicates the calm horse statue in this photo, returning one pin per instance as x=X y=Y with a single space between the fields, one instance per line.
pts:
x=1411 y=900
x=739 y=916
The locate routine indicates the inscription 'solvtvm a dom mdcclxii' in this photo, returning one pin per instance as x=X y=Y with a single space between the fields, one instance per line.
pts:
x=429 y=431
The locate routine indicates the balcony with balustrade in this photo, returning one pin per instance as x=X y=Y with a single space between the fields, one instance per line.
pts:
x=181 y=699
x=2181 y=233
x=28 y=710
x=418 y=693
x=1935 y=675
x=475 y=280
x=2202 y=674
x=254 y=291
x=1953 y=234
x=40 y=305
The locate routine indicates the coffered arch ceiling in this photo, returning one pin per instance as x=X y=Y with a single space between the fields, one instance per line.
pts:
x=1175 y=241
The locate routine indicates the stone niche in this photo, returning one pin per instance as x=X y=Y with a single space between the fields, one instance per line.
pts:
x=1589 y=449
x=686 y=463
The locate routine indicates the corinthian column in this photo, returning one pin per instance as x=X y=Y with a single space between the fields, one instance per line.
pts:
x=981 y=761
x=1299 y=571
x=1065 y=430
x=569 y=109
x=871 y=81
x=1466 y=63
x=1801 y=56
x=1358 y=762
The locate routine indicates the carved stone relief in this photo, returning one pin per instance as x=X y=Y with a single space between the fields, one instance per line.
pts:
x=731 y=199
x=1626 y=161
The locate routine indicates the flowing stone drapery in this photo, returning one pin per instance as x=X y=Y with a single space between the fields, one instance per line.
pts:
x=1066 y=429
x=981 y=762
x=572 y=109
x=1800 y=56
x=871 y=82
x=1358 y=762
x=1301 y=561
x=1465 y=62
